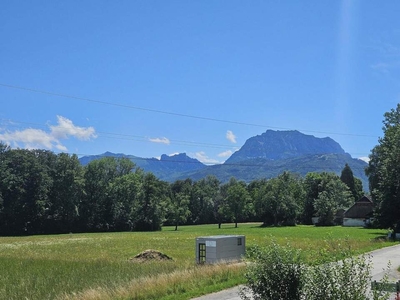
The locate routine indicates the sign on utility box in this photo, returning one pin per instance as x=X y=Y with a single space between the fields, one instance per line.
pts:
x=220 y=248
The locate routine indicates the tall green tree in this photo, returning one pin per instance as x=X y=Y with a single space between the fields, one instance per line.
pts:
x=25 y=185
x=65 y=194
x=257 y=189
x=152 y=204
x=354 y=184
x=333 y=196
x=237 y=203
x=96 y=206
x=312 y=188
x=124 y=198
x=178 y=209
x=204 y=200
x=383 y=172
x=279 y=200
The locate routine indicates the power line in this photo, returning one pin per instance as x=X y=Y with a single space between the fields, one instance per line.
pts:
x=167 y=161
x=174 y=113
x=145 y=139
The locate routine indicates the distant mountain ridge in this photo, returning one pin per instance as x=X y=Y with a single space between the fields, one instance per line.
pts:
x=165 y=168
x=262 y=156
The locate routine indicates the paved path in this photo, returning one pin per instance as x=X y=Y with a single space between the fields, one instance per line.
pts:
x=379 y=258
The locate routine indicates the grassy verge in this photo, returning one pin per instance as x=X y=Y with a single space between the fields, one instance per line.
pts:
x=180 y=284
x=97 y=266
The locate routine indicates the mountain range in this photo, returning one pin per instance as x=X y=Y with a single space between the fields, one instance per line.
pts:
x=262 y=156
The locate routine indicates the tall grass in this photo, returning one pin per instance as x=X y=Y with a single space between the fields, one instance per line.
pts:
x=97 y=265
x=174 y=285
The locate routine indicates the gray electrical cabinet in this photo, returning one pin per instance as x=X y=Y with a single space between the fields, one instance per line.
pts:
x=219 y=248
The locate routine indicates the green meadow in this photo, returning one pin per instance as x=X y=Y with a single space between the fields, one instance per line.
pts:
x=98 y=266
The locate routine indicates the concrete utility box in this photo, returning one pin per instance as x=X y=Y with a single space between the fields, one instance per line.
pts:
x=217 y=248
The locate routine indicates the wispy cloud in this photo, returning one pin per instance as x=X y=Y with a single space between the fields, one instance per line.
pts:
x=386 y=49
x=226 y=153
x=385 y=67
x=388 y=56
x=231 y=137
x=32 y=138
x=162 y=140
x=382 y=67
x=202 y=157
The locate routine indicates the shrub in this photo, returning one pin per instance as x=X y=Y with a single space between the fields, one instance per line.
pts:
x=274 y=272
x=279 y=272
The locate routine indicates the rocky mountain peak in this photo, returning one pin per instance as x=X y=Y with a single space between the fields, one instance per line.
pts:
x=276 y=145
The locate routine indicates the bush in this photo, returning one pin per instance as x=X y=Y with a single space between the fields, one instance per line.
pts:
x=279 y=272
x=274 y=272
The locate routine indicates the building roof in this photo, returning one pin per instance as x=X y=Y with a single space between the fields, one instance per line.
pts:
x=219 y=236
x=361 y=209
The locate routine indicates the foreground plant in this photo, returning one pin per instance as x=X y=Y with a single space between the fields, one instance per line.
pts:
x=281 y=272
x=274 y=272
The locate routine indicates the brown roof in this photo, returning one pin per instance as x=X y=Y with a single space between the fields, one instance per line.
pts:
x=362 y=209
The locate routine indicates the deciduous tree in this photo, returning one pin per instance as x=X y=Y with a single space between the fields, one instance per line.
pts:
x=178 y=208
x=384 y=172
x=204 y=202
x=333 y=195
x=279 y=200
x=152 y=204
x=237 y=203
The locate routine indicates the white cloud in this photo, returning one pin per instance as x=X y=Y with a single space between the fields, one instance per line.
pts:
x=202 y=157
x=66 y=128
x=231 y=137
x=364 y=158
x=36 y=138
x=226 y=153
x=162 y=140
x=31 y=138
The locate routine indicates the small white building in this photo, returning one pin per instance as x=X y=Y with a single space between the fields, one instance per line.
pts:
x=360 y=214
x=219 y=248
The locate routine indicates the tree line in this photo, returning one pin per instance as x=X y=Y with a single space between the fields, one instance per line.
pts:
x=42 y=192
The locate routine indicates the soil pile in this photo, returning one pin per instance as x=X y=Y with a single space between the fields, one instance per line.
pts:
x=150 y=255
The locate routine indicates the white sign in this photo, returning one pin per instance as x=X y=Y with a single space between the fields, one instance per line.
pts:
x=211 y=244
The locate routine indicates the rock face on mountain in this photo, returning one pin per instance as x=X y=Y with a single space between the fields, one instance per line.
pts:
x=278 y=145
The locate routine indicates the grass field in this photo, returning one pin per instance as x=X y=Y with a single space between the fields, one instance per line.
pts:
x=97 y=266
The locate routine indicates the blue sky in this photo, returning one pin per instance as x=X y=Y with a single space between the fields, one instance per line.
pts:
x=199 y=77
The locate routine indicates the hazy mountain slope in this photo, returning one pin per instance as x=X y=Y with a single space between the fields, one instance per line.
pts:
x=252 y=169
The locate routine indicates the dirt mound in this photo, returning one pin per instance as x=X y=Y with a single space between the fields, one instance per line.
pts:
x=150 y=255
